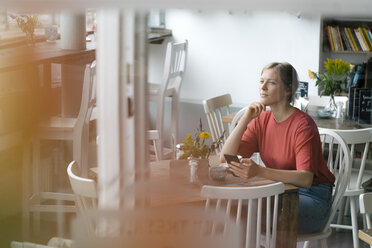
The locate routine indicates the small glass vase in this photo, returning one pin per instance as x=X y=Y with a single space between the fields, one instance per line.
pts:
x=193 y=163
x=199 y=170
x=30 y=38
x=332 y=107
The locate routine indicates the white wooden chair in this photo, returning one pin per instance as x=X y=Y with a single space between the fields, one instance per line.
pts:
x=174 y=70
x=356 y=139
x=215 y=108
x=338 y=162
x=171 y=226
x=54 y=242
x=365 y=205
x=233 y=124
x=85 y=189
x=237 y=117
x=154 y=136
x=64 y=129
x=225 y=197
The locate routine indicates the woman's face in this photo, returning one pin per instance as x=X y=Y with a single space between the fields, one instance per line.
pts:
x=272 y=89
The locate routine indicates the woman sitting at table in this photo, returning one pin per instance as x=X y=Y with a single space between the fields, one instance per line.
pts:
x=289 y=144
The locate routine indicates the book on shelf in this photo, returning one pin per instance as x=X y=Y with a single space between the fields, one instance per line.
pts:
x=345 y=41
x=365 y=38
x=354 y=39
x=353 y=47
x=330 y=39
x=369 y=34
x=340 y=39
x=360 y=39
x=335 y=39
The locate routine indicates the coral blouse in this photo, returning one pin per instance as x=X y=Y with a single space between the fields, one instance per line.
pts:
x=293 y=144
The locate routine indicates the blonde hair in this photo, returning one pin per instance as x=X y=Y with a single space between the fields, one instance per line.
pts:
x=288 y=75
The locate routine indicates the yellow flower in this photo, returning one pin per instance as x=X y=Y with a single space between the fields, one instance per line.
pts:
x=204 y=135
x=311 y=75
x=188 y=137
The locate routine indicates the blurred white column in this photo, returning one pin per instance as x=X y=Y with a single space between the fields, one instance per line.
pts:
x=73 y=30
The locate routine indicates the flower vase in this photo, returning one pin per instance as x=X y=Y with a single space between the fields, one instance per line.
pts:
x=30 y=38
x=332 y=107
x=199 y=169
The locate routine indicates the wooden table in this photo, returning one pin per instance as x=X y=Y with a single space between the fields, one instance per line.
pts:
x=169 y=185
x=330 y=123
x=366 y=235
x=14 y=58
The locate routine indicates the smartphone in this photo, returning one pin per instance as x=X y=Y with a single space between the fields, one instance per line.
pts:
x=231 y=157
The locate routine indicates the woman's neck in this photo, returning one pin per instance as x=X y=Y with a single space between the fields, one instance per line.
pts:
x=281 y=112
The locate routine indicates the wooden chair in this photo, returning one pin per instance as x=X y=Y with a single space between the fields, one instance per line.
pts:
x=215 y=108
x=63 y=129
x=225 y=197
x=365 y=204
x=233 y=124
x=356 y=139
x=174 y=69
x=54 y=242
x=237 y=117
x=85 y=189
x=154 y=136
x=172 y=226
x=338 y=162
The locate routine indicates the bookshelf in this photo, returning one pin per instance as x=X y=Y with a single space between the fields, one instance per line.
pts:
x=354 y=54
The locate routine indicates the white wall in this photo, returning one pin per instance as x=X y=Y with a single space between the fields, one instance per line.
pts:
x=228 y=50
x=227 y=53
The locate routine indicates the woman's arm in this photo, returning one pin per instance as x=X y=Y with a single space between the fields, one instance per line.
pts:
x=247 y=169
x=232 y=143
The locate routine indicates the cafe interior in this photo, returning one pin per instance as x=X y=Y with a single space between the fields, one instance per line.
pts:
x=113 y=117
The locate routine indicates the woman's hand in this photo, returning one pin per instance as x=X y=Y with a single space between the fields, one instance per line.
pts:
x=254 y=110
x=247 y=168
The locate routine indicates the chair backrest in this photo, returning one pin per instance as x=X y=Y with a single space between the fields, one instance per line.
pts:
x=237 y=117
x=174 y=66
x=158 y=227
x=214 y=109
x=358 y=139
x=365 y=206
x=233 y=124
x=81 y=129
x=255 y=198
x=337 y=155
x=85 y=190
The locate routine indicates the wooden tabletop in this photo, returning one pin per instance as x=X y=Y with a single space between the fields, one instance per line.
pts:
x=41 y=53
x=169 y=185
x=330 y=123
x=366 y=235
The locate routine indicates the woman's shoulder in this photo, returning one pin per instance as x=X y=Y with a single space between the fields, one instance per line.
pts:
x=303 y=120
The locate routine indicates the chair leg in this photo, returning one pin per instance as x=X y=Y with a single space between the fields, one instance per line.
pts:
x=36 y=183
x=175 y=103
x=26 y=162
x=354 y=221
x=306 y=244
x=341 y=213
x=323 y=243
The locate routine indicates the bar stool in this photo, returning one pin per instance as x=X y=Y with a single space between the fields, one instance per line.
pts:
x=174 y=69
x=61 y=129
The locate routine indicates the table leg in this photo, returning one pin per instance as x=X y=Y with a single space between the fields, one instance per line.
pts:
x=287 y=221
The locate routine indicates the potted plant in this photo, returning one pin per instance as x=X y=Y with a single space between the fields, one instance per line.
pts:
x=196 y=147
x=334 y=79
x=27 y=23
